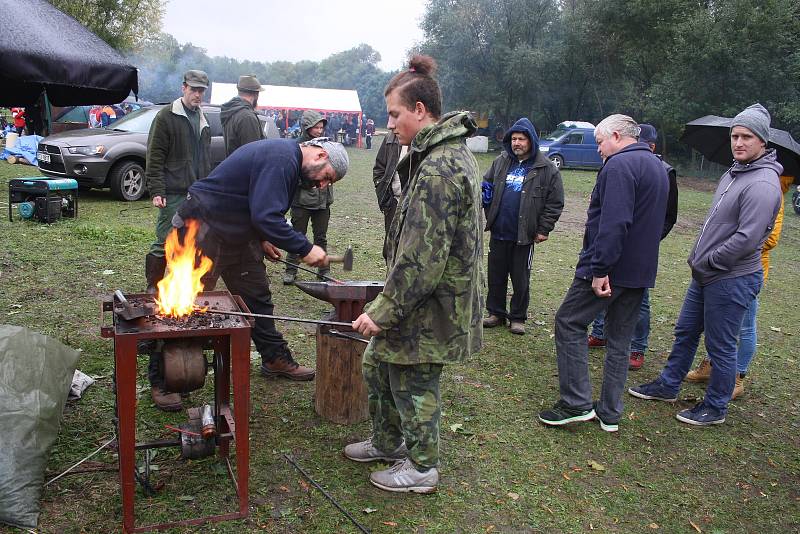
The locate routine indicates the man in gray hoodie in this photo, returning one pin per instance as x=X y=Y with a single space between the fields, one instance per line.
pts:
x=240 y=124
x=726 y=270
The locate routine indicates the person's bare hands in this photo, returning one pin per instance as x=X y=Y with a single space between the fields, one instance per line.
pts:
x=316 y=257
x=601 y=286
x=539 y=238
x=159 y=201
x=365 y=326
x=272 y=252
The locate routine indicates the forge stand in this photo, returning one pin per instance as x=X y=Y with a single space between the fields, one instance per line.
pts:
x=229 y=336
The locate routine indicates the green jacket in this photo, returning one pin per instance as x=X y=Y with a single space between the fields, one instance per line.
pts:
x=430 y=308
x=171 y=149
x=315 y=198
x=240 y=124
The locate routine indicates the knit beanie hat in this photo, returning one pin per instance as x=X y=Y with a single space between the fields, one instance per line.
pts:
x=337 y=155
x=756 y=119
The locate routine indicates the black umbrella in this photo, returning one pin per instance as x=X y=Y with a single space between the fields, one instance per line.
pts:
x=42 y=49
x=710 y=135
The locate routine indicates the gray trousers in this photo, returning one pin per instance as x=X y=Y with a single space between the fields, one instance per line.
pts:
x=579 y=308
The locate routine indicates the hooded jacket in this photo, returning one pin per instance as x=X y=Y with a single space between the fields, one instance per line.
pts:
x=172 y=146
x=384 y=169
x=313 y=198
x=741 y=217
x=430 y=308
x=542 y=195
x=240 y=124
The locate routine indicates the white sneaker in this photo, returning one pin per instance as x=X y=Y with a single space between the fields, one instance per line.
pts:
x=404 y=477
x=364 y=451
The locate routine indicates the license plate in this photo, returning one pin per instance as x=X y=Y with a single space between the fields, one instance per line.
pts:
x=43 y=156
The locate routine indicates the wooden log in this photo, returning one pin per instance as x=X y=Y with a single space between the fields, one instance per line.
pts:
x=341 y=393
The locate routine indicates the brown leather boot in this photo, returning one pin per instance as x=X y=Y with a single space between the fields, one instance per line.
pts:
x=701 y=373
x=165 y=401
x=285 y=366
x=738 y=389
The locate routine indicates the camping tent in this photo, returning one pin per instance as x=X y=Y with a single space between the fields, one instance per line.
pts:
x=280 y=97
x=42 y=49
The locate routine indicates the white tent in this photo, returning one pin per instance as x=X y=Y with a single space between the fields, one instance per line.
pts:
x=281 y=97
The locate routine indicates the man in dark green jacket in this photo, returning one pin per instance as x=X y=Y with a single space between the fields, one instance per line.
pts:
x=240 y=124
x=178 y=153
x=387 y=182
x=310 y=203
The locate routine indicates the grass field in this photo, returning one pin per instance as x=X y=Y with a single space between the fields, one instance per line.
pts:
x=501 y=470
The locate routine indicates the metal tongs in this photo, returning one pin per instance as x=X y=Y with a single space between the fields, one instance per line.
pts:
x=129 y=311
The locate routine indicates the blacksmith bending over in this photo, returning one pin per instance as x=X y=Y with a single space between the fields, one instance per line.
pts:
x=429 y=312
x=242 y=208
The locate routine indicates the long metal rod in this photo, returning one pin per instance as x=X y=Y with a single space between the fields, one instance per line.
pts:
x=276 y=317
x=325 y=276
x=327 y=495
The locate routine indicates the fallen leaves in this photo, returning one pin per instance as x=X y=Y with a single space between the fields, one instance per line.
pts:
x=694 y=526
x=595 y=465
x=513 y=496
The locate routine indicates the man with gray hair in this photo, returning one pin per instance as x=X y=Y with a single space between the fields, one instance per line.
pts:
x=619 y=259
x=727 y=273
x=241 y=207
x=240 y=124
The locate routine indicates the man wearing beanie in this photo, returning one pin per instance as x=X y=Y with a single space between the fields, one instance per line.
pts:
x=726 y=270
x=240 y=124
x=241 y=208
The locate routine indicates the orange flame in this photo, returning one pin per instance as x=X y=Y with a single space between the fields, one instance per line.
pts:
x=186 y=265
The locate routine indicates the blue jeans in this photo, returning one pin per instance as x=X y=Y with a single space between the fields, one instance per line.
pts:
x=640 y=334
x=748 y=337
x=716 y=309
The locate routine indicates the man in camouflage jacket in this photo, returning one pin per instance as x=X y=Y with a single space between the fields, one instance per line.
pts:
x=310 y=204
x=429 y=312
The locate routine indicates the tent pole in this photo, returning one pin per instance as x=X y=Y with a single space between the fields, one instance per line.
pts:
x=360 y=131
x=48 y=116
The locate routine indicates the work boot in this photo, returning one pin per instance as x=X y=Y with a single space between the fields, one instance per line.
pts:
x=493 y=320
x=636 y=360
x=701 y=373
x=154 y=267
x=284 y=366
x=404 y=477
x=166 y=401
x=517 y=328
x=365 y=451
x=739 y=387
x=288 y=278
x=596 y=342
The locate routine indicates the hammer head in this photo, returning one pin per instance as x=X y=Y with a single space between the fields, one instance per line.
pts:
x=348 y=259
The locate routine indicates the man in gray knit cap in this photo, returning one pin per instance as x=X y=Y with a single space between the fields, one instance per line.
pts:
x=726 y=270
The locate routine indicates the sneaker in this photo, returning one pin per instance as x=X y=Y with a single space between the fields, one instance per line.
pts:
x=166 y=401
x=493 y=320
x=561 y=414
x=739 y=387
x=701 y=415
x=285 y=366
x=636 y=360
x=288 y=278
x=701 y=373
x=517 y=328
x=596 y=342
x=404 y=477
x=605 y=425
x=365 y=451
x=654 y=390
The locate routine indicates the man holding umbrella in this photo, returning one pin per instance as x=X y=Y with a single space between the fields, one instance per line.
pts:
x=726 y=270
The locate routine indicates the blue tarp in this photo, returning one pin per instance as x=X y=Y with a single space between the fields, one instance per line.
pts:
x=25 y=147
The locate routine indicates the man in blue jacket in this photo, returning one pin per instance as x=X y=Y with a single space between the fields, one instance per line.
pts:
x=242 y=208
x=619 y=259
x=523 y=197
x=726 y=270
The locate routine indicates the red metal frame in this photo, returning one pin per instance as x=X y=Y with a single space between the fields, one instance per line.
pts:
x=231 y=342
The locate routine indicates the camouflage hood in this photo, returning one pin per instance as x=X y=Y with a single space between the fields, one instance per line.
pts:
x=453 y=125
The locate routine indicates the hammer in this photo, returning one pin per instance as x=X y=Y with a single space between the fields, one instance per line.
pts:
x=345 y=259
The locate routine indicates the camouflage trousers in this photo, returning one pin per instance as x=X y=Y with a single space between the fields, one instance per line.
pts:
x=404 y=402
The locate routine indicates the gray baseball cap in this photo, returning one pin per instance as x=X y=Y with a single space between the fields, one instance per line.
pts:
x=196 y=78
x=337 y=155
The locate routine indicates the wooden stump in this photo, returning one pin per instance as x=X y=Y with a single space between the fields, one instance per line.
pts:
x=341 y=394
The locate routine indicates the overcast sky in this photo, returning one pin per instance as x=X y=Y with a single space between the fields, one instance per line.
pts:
x=272 y=30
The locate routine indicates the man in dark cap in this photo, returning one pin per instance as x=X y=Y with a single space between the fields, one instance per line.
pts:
x=727 y=273
x=240 y=124
x=178 y=154
x=311 y=203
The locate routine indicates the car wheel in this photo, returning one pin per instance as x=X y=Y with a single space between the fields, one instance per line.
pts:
x=557 y=160
x=796 y=202
x=127 y=181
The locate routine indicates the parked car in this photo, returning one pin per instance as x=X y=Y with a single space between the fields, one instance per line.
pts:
x=114 y=157
x=572 y=147
x=796 y=200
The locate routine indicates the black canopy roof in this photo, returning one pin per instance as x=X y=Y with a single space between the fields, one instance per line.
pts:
x=41 y=48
